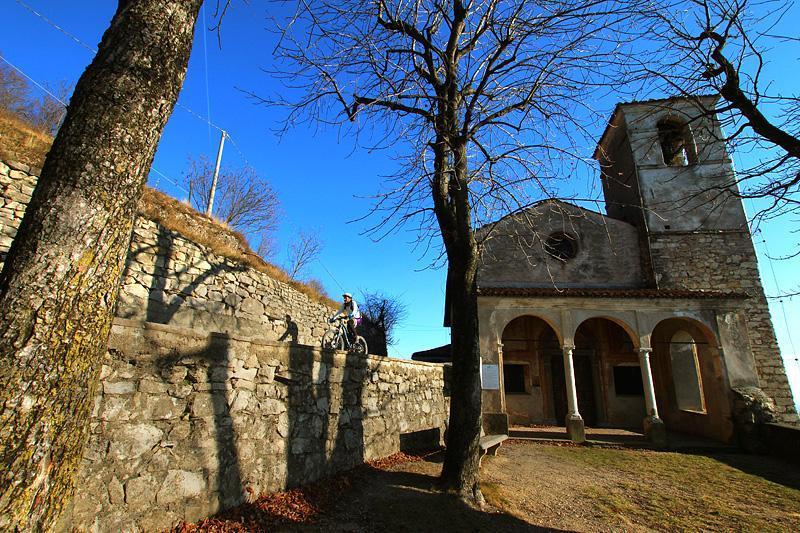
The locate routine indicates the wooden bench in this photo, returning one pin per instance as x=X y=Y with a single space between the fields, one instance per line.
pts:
x=491 y=443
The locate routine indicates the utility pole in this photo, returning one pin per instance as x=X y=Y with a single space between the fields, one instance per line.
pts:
x=216 y=174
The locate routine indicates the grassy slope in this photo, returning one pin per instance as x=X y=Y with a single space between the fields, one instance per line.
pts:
x=20 y=142
x=637 y=489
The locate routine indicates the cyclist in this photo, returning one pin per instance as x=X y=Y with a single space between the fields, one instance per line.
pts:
x=349 y=310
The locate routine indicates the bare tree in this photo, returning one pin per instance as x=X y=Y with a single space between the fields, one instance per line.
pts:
x=384 y=313
x=60 y=281
x=47 y=113
x=302 y=251
x=479 y=96
x=243 y=200
x=722 y=47
x=13 y=90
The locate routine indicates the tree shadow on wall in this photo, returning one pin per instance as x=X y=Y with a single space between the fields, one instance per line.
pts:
x=211 y=420
x=164 y=301
x=325 y=414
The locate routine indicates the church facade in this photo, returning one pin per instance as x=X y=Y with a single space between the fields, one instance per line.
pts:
x=651 y=315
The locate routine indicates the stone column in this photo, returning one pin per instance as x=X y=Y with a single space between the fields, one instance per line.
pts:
x=574 y=422
x=654 y=427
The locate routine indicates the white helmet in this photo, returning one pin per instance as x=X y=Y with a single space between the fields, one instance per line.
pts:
x=347 y=295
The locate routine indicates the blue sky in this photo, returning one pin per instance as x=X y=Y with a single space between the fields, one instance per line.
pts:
x=322 y=181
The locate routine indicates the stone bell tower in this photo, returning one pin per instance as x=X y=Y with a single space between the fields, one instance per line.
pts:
x=665 y=169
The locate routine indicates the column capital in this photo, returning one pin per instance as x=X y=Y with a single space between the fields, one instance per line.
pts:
x=568 y=347
x=645 y=350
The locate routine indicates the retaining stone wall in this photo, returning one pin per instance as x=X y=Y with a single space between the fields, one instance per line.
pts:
x=186 y=423
x=17 y=181
x=727 y=261
x=171 y=280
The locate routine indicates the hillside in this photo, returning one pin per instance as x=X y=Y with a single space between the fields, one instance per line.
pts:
x=20 y=142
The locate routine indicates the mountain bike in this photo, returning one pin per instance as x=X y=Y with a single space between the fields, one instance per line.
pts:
x=338 y=338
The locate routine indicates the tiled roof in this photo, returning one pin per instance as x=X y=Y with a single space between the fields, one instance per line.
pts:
x=553 y=292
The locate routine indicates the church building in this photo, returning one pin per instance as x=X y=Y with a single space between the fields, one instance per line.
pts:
x=649 y=316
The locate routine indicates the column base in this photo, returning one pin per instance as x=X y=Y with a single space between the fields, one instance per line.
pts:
x=656 y=431
x=575 y=429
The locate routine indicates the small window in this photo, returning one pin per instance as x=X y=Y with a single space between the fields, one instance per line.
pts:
x=514 y=379
x=628 y=381
x=561 y=246
x=686 y=373
x=677 y=143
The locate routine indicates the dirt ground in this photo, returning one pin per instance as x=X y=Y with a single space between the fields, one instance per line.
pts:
x=541 y=487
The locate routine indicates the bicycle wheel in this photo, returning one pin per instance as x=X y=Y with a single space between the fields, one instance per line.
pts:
x=360 y=346
x=332 y=341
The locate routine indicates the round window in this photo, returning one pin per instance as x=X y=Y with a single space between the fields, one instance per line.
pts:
x=561 y=246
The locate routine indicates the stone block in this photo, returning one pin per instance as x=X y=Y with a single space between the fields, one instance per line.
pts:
x=116 y=492
x=130 y=441
x=150 y=386
x=158 y=407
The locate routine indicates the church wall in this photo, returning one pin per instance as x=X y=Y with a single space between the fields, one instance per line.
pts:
x=607 y=251
x=727 y=260
x=689 y=199
x=620 y=184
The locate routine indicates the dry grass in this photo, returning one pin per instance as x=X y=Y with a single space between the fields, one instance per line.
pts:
x=599 y=489
x=221 y=240
x=19 y=141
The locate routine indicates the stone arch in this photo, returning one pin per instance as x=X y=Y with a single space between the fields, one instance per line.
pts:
x=522 y=313
x=530 y=343
x=630 y=331
x=710 y=414
x=607 y=374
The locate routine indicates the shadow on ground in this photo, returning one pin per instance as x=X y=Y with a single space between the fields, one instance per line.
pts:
x=383 y=500
x=398 y=498
x=773 y=469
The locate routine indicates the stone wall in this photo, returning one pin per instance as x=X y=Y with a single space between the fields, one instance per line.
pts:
x=171 y=280
x=17 y=181
x=212 y=389
x=726 y=260
x=186 y=423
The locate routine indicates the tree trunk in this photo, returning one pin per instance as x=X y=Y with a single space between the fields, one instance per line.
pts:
x=460 y=469
x=452 y=208
x=61 y=279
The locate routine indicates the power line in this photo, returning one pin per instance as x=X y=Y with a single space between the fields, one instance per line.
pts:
x=206 y=119
x=56 y=26
x=39 y=85
x=236 y=147
x=331 y=275
x=778 y=289
x=205 y=63
x=161 y=174
x=94 y=51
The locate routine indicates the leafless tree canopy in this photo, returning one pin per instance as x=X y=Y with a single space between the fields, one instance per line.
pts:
x=13 y=90
x=302 y=251
x=385 y=312
x=243 y=200
x=725 y=47
x=517 y=73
